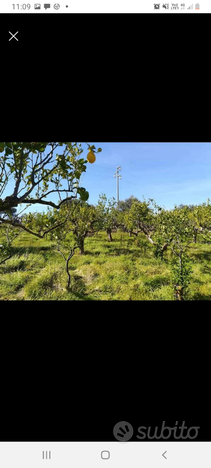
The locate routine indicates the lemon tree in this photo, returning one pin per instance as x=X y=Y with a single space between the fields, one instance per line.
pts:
x=39 y=171
x=8 y=235
x=107 y=215
x=81 y=218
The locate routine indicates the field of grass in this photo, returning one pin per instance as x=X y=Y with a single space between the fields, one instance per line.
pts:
x=125 y=269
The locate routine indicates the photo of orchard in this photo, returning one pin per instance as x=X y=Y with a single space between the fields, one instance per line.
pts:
x=56 y=244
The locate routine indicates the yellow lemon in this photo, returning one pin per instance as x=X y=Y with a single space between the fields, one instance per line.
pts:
x=91 y=157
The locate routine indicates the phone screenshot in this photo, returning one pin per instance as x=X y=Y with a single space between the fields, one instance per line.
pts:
x=99 y=233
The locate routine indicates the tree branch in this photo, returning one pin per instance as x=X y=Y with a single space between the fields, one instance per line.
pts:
x=20 y=225
x=134 y=233
x=16 y=171
x=42 y=163
x=33 y=201
x=19 y=174
x=26 y=194
x=59 y=250
x=54 y=190
x=72 y=252
x=165 y=246
x=38 y=167
x=5 y=259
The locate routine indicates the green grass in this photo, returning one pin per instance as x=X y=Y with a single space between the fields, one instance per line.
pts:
x=125 y=269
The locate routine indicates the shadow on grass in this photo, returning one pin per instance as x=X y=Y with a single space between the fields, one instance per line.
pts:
x=157 y=282
x=201 y=297
x=89 y=252
x=31 y=249
x=206 y=269
x=110 y=251
x=201 y=255
x=78 y=288
x=121 y=251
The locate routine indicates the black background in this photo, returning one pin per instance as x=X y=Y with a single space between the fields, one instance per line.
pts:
x=106 y=77
x=86 y=430
x=71 y=372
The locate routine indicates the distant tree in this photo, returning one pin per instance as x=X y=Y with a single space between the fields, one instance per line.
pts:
x=126 y=204
x=66 y=250
x=139 y=219
x=174 y=229
x=107 y=215
x=81 y=218
x=190 y=207
x=42 y=224
x=8 y=235
x=201 y=219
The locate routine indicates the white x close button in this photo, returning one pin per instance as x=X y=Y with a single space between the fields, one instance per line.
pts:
x=13 y=36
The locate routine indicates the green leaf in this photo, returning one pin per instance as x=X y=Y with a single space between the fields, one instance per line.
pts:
x=84 y=195
x=77 y=174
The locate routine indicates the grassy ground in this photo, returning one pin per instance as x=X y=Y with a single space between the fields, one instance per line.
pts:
x=122 y=270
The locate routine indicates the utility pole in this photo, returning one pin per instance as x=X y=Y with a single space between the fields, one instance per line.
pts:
x=118 y=176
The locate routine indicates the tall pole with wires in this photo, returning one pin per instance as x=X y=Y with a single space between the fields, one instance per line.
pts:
x=118 y=176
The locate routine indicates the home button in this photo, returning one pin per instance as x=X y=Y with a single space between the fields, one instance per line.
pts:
x=105 y=455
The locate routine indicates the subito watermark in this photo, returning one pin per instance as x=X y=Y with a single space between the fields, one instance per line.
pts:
x=123 y=431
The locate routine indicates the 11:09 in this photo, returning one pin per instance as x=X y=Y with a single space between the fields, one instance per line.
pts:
x=23 y=6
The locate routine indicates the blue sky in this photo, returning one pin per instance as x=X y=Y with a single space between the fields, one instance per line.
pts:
x=171 y=173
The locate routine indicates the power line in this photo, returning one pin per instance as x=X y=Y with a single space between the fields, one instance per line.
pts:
x=131 y=183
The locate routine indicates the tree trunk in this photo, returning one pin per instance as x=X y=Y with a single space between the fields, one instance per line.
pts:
x=163 y=249
x=178 y=288
x=179 y=293
x=130 y=234
x=195 y=235
x=67 y=270
x=109 y=235
x=81 y=246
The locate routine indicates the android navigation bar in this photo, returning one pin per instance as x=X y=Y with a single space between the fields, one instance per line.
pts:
x=105 y=454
